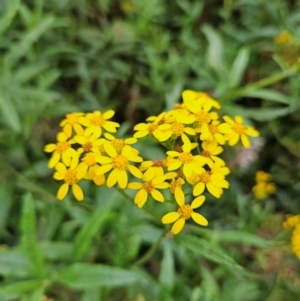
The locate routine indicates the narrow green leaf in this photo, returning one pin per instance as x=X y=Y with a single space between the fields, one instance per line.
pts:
x=5 y=21
x=19 y=287
x=14 y=263
x=57 y=250
x=91 y=295
x=167 y=269
x=215 y=49
x=206 y=249
x=19 y=49
x=6 y=191
x=267 y=114
x=268 y=95
x=29 y=242
x=37 y=295
x=9 y=113
x=91 y=276
x=238 y=67
x=92 y=228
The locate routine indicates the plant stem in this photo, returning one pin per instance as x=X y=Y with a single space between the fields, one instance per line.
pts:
x=152 y=250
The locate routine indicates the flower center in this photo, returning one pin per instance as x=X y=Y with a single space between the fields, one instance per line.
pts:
x=174 y=185
x=205 y=154
x=120 y=162
x=158 y=163
x=162 y=121
x=89 y=159
x=213 y=129
x=178 y=149
x=70 y=177
x=99 y=180
x=203 y=117
x=87 y=147
x=185 y=211
x=186 y=158
x=239 y=128
x=72 y=118
x=148 y=186
x=62 y=146
x=177 y=128
x=205 y=177
x=152 y=127
x=98 y=120
x=118 y=144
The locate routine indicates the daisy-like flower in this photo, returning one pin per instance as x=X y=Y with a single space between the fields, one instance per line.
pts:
x=61 y=150
x=118 y=144
x=89 y=160
x=153 y=168
x=215 y=132
x=210 y=152
x=71 y=122
x=263 y=189
x=179 y=129
x=98 y=179
x=94 y=122
x=176 y=184
x=236 y=130
x=213 y=180
x=199 y=99
x=88 y=143
x=184 y=157
x=71 y=176
x=154 y=128
x=184 y=213
x=150 y=185
x=119 y=163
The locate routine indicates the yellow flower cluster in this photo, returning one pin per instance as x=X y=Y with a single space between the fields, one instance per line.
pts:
x=193 y=135
x=264 y=187
x=283 y=38
x=293 y=222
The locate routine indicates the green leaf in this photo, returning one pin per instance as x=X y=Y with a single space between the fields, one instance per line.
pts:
x=21 y=48
x=6 y=191
x=18 y=288
x=5 y=21
x=91 y=295
x=268 y=95
x=215 y=49
x=167 y=269
x=267 y=114
x=57 y=250
x=91 y=276
x=92 y=228
x=29 y=242
x=14 y=263
x=239 y=66
x=207 y=249
x=9 y=113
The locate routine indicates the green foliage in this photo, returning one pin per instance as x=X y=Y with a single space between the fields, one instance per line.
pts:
x=136 y=57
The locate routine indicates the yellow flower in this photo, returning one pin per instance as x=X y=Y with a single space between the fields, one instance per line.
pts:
x=184 y=157
x=263 y=189
x=262 y=176
x=153 y=168
x=98 y=179
x=61 y=150
x=120 y=164
x=89 y=143
x=176 y=184
x=72 y=122
x=71 y=176
x=118 y=144
x=235 y=131
x=184 y=213
x=283 y=38
x=89 y=161
x=213 y=180
x=154 y=128
x=96 y=121
x=210 y=152
x=296 y=241
x=150 y=185
x=199 y=99
x=215 y=132
x=291 y=221
x=178 y=129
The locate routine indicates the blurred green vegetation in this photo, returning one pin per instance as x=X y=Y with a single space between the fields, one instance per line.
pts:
x=136 y=57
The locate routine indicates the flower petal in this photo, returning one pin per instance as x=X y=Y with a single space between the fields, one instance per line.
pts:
x=199 y=219
x=177 y=227
x=157 y=196
x=62 y=191
x=198 y=201
x=170 y=217
x=77 y=192
x=179 y=197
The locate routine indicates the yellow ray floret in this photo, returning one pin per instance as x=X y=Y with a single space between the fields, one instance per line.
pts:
x=70 y=123
x=184 y=213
